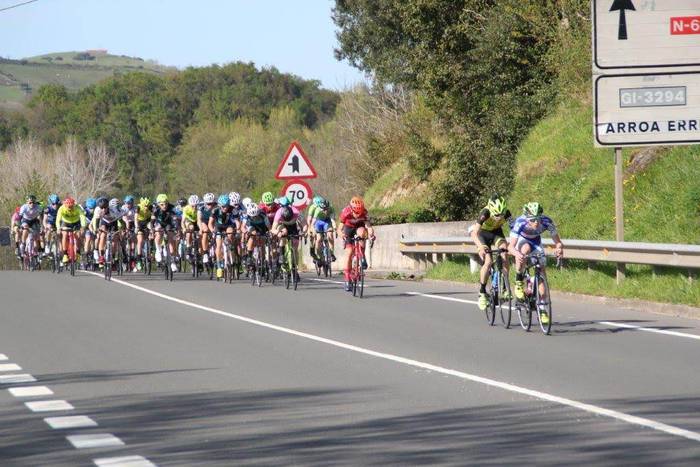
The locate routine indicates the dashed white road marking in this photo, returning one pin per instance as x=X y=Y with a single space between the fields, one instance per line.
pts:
x=126 y=461
x=3 y=356
x=10 y=367
x=30 y=391
x=642 y=328
x=590 y=408
x=95 y=440
x=78 y=421
x=440 y=297
x=21 y=378
x=48 y=406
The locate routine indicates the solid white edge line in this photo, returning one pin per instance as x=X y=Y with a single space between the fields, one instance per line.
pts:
x=440 y=297
x=642 y=328
x=30 y=391
x=632 y=419
x=3 y=356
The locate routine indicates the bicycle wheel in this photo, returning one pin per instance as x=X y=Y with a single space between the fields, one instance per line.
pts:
x=544 y=305
x=524 y=313
x=361 y=282
x=108 y=261
x=505 y=306
x=492 y=293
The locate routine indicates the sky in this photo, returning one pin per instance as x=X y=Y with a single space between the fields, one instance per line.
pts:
x=294 y=36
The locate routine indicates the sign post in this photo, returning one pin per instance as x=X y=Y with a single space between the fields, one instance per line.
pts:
x=646 y=79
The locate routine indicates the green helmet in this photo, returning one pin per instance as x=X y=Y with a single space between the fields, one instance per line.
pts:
x=268 y=198
x=162 y=198
x=496 y=205
x=533 y=209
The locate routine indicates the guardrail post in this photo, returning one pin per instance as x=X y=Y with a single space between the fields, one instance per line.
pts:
x=691 y=275
x=474 y=265
x=620 y=272
x=591 y=266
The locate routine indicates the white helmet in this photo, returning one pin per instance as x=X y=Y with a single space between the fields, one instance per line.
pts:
x=234 y=198
x=193 y=200
x=246 y=202
x=252 y=210
x=113 y=203
x=209 y=198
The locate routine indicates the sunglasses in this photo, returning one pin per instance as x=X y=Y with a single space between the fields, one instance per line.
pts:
x=533 y=219
x=211 y=204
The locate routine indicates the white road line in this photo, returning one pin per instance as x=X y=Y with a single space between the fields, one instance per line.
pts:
x=30 y=391
x=10 y=367
x=126 y=461
x=642 y=328
x=3 y=356
x=329 y=280
x=48 y=406
x=632 y=419
x=96 y=440
x=440 y=297
x=21 y=378
x=78 y=421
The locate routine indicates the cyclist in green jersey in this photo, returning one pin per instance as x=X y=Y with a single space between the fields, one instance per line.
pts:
x=488 y=233
x=320 y=219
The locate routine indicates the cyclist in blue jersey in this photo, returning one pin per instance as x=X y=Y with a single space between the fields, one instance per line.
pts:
x=50 y=221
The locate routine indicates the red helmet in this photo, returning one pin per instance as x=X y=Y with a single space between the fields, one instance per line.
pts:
x=69 y=202
x=17 y=210
x=356 y=204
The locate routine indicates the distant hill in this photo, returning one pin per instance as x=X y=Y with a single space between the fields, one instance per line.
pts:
x=75 y=70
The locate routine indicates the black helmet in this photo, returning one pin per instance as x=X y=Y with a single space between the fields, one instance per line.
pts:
x=182 y=202
x=287 y=214
x=102 y=202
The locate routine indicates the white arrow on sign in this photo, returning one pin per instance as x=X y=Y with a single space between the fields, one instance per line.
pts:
x=295 y=164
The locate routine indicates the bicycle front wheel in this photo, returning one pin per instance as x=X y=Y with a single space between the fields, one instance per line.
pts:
x=505 y=305
x=544 y=306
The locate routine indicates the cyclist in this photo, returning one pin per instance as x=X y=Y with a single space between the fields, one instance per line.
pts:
x=320 y=220
x=89 y=210
x=14 y=226
x=164 y=220
x=70 y=217
x=525 y=237
x=142 y=219
x=488 y=233
x=256 y=225
x=129 y=210
x=269 y=205
x=49 y=221
x=108 y=219
x=354 y=222
x=189 y=221
x=203 y=216
x=286 y=223
x=30 y=218
x=222 y=221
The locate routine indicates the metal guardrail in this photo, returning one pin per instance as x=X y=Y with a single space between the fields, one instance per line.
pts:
x=654 y=254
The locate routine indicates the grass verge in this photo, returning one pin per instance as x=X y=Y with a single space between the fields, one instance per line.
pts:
x=665 y=285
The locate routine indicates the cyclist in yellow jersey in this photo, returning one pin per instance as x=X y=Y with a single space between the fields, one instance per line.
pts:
x=188 y=223
x=488 y=233
x=142 y=219
x=70 y=217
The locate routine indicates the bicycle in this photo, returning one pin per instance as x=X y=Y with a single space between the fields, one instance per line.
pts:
x=258 y=268
x=357 y=267
x=291 y=275
x=166 y=259
x=499 y=286
x=273 y=269
x=54 y=249
x=324 y=261
x=30 y=260
x=109 y=255
x=72 y=250
x=534 y=301
x=194 y=254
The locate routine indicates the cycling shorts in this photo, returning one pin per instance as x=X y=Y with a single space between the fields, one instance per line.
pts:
x=321 y=226
x=31 y=224
x=491 y=237
x=70 y=225
x=142 y=225
x=535 y=243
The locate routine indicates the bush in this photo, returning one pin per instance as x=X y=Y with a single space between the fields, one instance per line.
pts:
x=422 y=215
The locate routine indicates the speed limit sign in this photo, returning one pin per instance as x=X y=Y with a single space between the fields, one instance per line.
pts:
x=299 y=192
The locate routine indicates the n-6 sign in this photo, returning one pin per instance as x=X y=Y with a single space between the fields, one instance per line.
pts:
x=299 y=192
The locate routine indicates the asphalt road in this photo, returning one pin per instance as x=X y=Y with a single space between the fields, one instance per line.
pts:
x=203 y=373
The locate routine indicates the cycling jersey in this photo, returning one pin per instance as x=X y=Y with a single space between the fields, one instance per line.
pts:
x=278 y=217
x=190 y=213
x=270 y=210
x=143 y=215
x=206 y=212
x=128 y=212
x=221 y=218
x=50 y=213
x=315 y=212
x=164 y=216
x=489 y=223
x=261 y=223
x=348 y=219
x=30 y=212
x=523 y=229
x=89 y=213
x=70 y=216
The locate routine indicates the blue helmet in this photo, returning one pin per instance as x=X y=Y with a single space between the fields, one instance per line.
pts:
x=283 y=201
x=128 y=199
x=223 y=200
x=53 y=198
x=90 y=203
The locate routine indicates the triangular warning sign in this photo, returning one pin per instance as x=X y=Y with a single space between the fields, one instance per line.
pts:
x=295 y=164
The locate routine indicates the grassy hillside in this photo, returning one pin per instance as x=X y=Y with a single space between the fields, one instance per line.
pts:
x=64 y=68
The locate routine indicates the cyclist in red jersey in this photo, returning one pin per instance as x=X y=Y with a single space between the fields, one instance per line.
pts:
x=269 y=206
x=354 y=221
